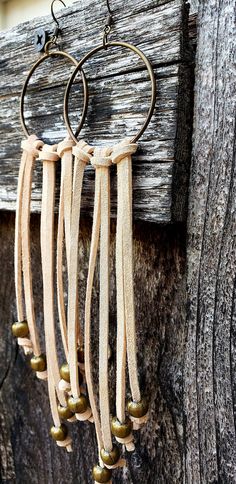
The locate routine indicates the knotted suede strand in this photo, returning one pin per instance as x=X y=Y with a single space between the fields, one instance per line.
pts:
x=101 y=161
x=24 y=289
x=49 y=156
x=64 y=151
x=82 y=152
x=126 y=333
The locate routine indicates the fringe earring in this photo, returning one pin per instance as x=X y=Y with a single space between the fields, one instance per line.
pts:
x=49 y=155
x=121 y=426
x=126 y=334
x=77 y=402
x=108 y=453
x=25 y=329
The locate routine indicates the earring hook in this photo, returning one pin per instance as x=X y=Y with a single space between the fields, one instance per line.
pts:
x=108 y=7
x=52 y=11
x=108 y=24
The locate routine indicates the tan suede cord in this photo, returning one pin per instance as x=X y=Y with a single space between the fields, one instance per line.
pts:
x=126 y=334
x=88 y=301
x=101 y=161
x=82 y=156
x=64 y=151
x=22 y=245
x=49 y=156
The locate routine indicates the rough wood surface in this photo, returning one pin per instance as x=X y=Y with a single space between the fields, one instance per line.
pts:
x=119 y=99
x=210 y=384
x=27 y=453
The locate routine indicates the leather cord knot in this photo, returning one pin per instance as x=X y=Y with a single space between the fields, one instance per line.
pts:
x=83 y=151
x=49 y=153
x=31 y=145
x=102 y=157
x=64 y=146
x=122 y=150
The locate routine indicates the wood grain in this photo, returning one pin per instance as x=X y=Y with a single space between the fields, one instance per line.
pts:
x=27 y=452
x=119 y=98
x=210 y=398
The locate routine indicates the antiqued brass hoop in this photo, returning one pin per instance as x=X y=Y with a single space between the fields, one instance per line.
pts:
x=105 y=45
x=53 y=53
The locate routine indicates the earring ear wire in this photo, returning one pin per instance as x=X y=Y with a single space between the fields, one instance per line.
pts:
x=57 y=26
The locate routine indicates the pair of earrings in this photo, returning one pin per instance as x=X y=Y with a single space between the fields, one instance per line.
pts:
x=71 y=388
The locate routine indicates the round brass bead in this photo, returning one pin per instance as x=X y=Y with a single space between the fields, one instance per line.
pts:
x=121 y=430
x=78 y=405
x=138 y=409
x=64 y=412
x=38 y=363
x=59 y=433
x=112 y=457
x=20 y=329
x=80 y=354
x=65 y=372
x=101 y=474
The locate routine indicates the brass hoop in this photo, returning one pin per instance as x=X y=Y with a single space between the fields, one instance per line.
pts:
x=48 y=54
x=90 y=54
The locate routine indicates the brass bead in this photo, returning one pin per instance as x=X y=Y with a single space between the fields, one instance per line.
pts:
x=64 y=412
x=59 y=433
x=112 y=457
x=20 y=329
x=138 y=409
x=101 y=474
x=78 y=405
x=38 y=363
x=65 y=372
x=121 y=430
x=80 y=354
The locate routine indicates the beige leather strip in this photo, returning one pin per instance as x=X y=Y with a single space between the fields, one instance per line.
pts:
x=120 y=463
x=82 y=157
x=18 y=253
x=49 y=156
x=128 y=278
x=42 y=375
x=108 y=482
x=64 y=151
x=128 y=442
x=103 y=154
x=121 y=323
x=87 y=333
x=26 y=345
x=84 y=416
x=66 y=443
x=122 y=157
x=64 y=386
x=26 y=256
x=22 y=241
x=139 y=422
x=54 y=408
x=53 y=397
x=59 y=271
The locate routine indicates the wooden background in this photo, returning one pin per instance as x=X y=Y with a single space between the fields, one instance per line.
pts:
x=185 y=300
x=119 y=99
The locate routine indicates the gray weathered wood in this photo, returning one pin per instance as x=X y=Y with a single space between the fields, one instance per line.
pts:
x=27 y=453
x=119 y=99
x=210 y=388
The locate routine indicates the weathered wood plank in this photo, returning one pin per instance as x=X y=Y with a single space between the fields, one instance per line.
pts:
x=118 y=102
x=159 y=261
x=210 y=397
x=158 y=33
